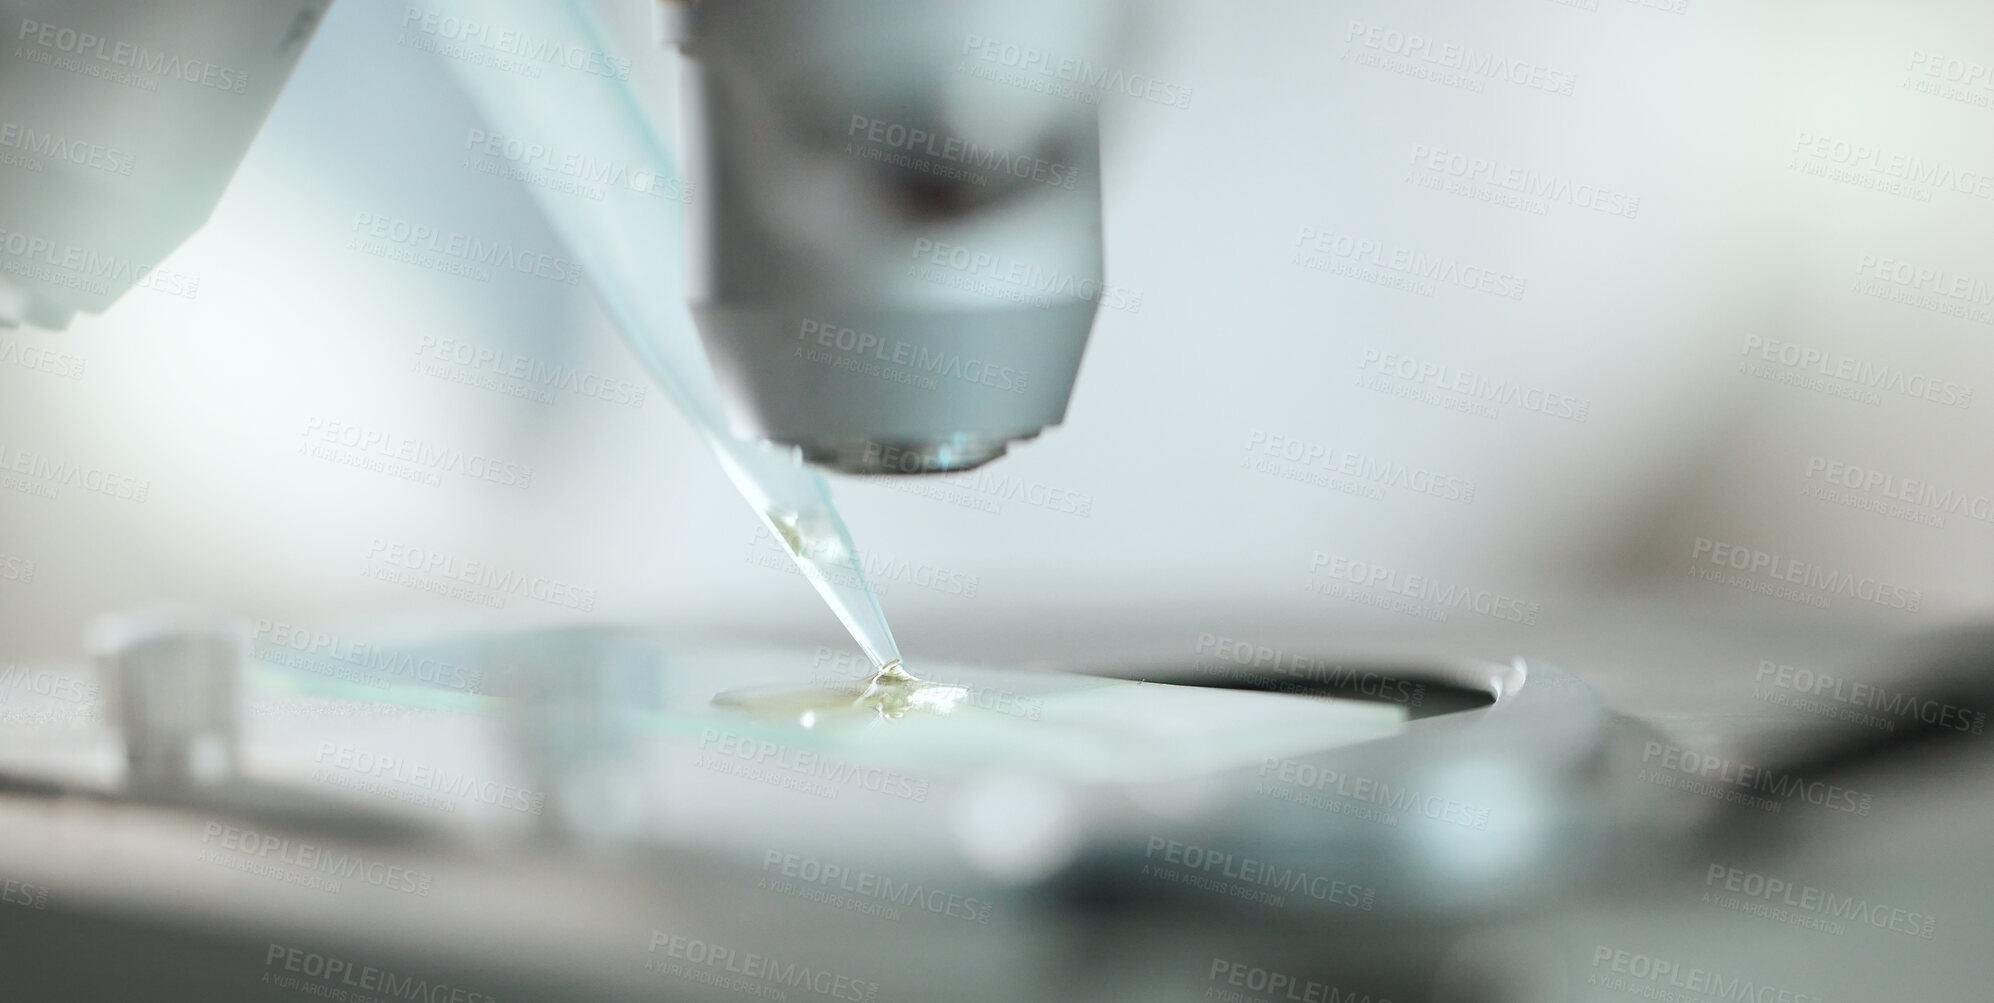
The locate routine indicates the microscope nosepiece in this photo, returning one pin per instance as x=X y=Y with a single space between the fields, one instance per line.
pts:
x=896 y=390
x=895 y=266
x=936 y=456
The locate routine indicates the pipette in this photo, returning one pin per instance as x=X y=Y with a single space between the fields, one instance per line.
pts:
x=629 y=244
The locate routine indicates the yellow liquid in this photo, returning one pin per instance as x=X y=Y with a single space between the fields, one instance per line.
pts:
x=892 y=693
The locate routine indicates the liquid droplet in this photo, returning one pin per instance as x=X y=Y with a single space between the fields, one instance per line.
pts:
x=891 y=694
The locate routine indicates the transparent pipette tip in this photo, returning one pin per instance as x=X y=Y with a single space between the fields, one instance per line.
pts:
x=823 y=551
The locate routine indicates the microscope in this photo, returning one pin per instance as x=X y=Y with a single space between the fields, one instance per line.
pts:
x=894 y=262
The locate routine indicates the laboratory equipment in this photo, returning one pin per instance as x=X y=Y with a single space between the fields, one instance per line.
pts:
x=895 y=264
x=894 y=267
x=122 y=124
x=600 y=829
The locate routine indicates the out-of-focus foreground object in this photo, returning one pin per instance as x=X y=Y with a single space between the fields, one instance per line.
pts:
x=125 y=154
